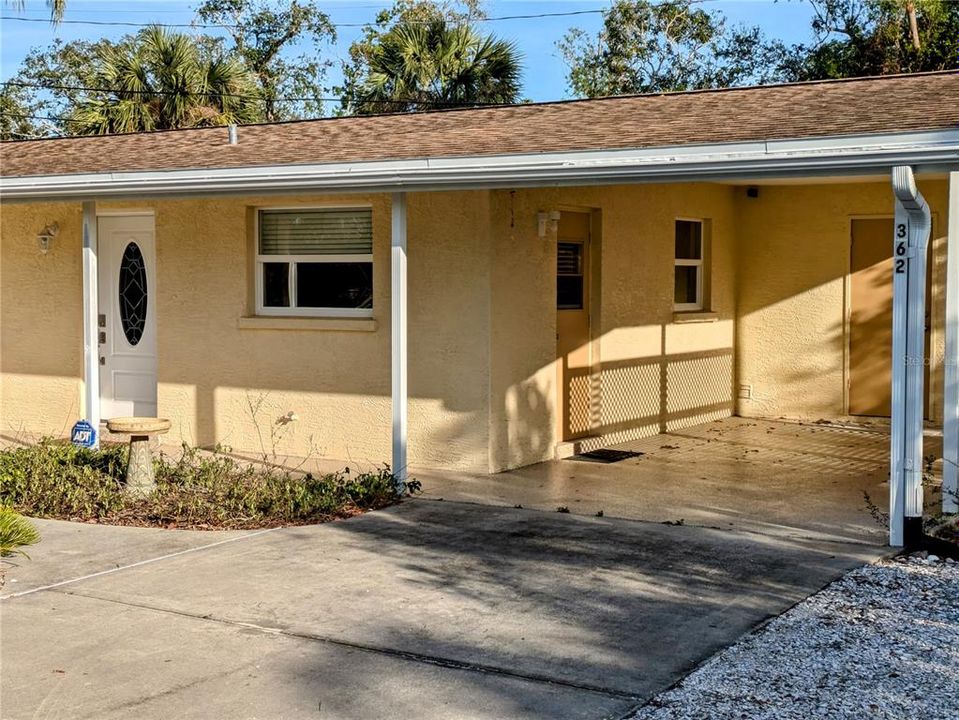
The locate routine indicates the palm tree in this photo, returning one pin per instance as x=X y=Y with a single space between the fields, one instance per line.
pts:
x=436 y=65
x=160 y=80
x=57 y=8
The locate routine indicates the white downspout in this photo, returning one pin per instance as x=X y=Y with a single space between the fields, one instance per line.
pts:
x=398 y=336
x=910 y=244
x=91 y=348
x=950 y=425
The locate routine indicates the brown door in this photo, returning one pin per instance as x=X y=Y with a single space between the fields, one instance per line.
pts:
x=574 y=377
x=870 y=329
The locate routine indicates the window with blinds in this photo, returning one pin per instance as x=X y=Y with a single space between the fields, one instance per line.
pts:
x=316 y=232
x=569 y=276
x=315 y=261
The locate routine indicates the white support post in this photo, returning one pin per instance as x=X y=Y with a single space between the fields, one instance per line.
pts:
x=398 y=325
x=950 y=425
x=91 y=349
x=910 y=246
x=900 y=292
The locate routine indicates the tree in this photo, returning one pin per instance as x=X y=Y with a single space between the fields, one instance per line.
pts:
x=51 y=81
x=57 y=8
x=161 y=80
x=422 y=55
x=18 y=116
x=660 y=46
x=261 y=30
x=853 y=38
x=47 y=86
x=420 y=67
x=356 y=70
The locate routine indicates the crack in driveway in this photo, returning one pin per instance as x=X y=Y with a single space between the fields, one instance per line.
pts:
x=448 y=663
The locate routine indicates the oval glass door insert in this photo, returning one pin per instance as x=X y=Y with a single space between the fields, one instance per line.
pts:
x=133 y=293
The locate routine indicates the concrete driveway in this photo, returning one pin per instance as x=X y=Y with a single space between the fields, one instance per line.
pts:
x=429 y=609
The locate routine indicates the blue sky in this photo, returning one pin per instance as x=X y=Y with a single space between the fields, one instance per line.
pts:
x=544 y=71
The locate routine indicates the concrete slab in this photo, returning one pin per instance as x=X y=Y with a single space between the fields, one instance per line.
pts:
x=69 y=550
x=497 y=607
x=73 y=657
x=783 y=478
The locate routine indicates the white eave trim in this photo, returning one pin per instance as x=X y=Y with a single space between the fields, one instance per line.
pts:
x=927 y=151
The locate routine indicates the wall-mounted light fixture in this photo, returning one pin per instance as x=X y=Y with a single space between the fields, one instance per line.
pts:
x=548 y=222
x=45 y=237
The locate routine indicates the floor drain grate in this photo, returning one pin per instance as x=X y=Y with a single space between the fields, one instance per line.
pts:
x=605 y=455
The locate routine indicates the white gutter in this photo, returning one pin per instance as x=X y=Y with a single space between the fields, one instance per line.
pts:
x=910 y=251
x=950 y=423
x=929 y=151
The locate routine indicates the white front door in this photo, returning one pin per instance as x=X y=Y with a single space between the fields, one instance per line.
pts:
x=127 y=316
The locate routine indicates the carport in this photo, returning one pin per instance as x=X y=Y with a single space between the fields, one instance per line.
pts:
x=479 y=396
x=827 y=480
x=899 y=447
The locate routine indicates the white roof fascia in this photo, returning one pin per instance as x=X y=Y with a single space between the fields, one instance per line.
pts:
x=926 y=151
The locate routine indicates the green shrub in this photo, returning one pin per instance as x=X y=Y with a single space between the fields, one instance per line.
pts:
x=197 y=489
x=200 y=488
x=15 y=532
x=58 y=479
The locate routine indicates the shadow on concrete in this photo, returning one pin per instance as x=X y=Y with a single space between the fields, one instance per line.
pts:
x=619 y=606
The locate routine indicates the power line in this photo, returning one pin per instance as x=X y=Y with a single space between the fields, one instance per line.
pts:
x=128 y=11
x=76 y=121
x=123 y=23
x=188 y=93
x=31 y=136
x=533 y=16
x=109 y=11
x=51 y=118
x=179 y=93
x=208 y=26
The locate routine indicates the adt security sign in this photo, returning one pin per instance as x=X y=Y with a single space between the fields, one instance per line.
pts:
x=83 y=434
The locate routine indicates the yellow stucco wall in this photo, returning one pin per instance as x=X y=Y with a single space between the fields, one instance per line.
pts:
x=482 y=332
x=652 y=372
x=41 y=344
x=793 y=260
x=223 y=384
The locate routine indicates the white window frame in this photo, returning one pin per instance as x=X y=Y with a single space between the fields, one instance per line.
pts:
x=291 y=260
x=700 y=263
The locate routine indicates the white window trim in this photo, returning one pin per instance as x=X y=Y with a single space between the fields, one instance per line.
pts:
x=699 y=263
x=292 y=311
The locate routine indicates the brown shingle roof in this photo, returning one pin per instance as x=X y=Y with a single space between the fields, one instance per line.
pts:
x=868 y=105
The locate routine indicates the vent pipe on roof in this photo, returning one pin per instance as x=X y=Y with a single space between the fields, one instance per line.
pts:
x=231 y=128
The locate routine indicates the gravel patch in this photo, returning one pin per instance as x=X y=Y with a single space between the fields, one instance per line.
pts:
x=881 y=642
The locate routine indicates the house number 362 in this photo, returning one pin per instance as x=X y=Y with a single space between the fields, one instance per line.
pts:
x=900 y=248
